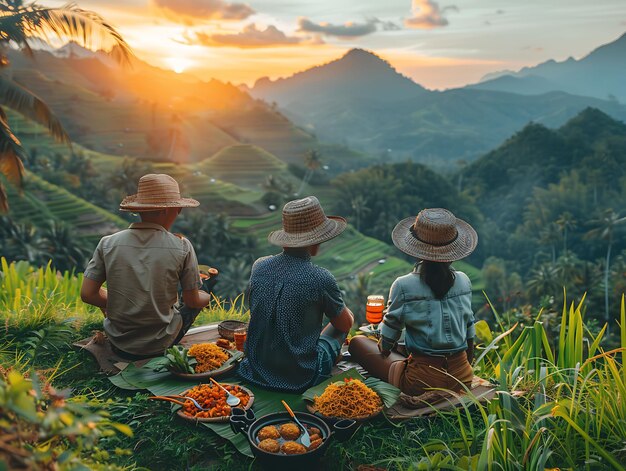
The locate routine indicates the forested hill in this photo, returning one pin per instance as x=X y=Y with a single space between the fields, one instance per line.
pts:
x=592 y=145
x=543 y=189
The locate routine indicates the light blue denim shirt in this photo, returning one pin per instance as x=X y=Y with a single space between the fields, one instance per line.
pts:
x=433 y=326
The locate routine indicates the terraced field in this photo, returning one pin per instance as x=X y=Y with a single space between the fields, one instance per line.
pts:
x=245 y=165
x=43 y=201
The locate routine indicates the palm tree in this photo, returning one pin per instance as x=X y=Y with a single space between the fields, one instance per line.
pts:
x=359 y=208
x=606 y=226
x=313 y=162
x=549 y=236
x=544 y=281
x=566 y=222
x=20 y=24
x=66 y=249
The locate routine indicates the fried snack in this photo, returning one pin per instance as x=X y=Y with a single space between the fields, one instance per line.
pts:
x=293 y=448
x=314 y=436
x=214 y=399
x=315 y=431
x=351 y=399
x=270 y=445
x=289 y=431
x=315 y=443
x=208 y=356
x=268 y=431
x=223 y=343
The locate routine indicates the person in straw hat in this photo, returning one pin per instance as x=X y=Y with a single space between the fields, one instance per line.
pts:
x=286 y=348
x=143 y=267
x=433 y=303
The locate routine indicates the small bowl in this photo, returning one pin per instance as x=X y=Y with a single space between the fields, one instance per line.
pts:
x=228 y=328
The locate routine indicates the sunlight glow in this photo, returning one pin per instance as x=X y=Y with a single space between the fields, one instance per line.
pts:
x=178 y=64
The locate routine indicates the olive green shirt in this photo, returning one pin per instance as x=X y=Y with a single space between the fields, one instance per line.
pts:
x=143 y=267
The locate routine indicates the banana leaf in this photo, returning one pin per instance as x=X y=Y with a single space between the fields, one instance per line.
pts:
x=163 y=383
x=388 y=393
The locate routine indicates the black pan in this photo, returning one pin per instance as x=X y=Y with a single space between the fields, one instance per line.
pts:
x=246 y=422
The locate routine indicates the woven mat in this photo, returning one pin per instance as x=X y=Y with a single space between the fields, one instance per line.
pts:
x=432 y=402
x=110 y=363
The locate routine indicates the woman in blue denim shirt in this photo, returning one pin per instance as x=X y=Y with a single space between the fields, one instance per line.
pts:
x=433 y=303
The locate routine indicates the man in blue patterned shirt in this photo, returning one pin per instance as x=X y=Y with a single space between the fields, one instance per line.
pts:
x=286 y=348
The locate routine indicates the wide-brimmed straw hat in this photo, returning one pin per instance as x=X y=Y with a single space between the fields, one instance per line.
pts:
x=154 y=192
x=435 y=235
x=305 y=224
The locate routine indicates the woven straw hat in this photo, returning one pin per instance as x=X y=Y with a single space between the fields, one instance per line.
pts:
x=435 y=235
x=305 y=224
x=154 y=192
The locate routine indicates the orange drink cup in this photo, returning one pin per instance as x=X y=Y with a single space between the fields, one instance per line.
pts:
x=374 y=309
x=240 y=338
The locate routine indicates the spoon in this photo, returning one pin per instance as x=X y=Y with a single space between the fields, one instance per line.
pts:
x=305 y=438
x=231 y=399
x=173 y=399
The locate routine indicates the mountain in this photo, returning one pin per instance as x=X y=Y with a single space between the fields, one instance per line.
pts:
x=358 y=75
x=600 y=74
x=361 y=101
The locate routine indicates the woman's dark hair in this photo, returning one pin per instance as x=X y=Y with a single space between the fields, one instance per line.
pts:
x=438 y=276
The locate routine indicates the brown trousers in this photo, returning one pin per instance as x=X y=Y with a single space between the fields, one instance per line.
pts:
x=418 y=373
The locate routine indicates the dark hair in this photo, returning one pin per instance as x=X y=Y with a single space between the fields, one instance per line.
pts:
x=438 y=276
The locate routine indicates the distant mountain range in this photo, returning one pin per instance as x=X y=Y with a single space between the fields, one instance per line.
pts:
x=600 y=74
x=361 y=101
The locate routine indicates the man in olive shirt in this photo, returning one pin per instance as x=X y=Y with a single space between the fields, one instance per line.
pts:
x=143 y=267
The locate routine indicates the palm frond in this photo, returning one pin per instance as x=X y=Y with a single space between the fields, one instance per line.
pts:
x=11 y=155
x=30 y=105
x=67 y=22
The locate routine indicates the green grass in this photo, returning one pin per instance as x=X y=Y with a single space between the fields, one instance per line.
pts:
x=570 y=417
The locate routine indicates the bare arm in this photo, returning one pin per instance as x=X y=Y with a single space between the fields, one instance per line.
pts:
x=196 y=299
x=92 y=292
x=343 y=322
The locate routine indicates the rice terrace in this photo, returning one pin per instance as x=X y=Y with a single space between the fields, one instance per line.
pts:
x=312 y=235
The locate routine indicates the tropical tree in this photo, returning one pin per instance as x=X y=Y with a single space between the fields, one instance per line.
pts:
x=66 y=250
x=359 y=209
x=544 y=281
x=21 y=24
x=550 y=236
x=605 y=228
x=313 y=162
x=566 y=222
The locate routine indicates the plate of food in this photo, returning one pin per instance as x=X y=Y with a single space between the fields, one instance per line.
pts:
x=346 y=399
x=213 y=399
x=200 y=361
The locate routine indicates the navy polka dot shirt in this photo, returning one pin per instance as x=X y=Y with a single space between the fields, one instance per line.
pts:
x=288 y=298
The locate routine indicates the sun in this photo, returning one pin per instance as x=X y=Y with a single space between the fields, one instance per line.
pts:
x=178 y=64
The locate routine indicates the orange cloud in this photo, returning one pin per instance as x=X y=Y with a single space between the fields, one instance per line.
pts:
x=250 y=37
x=188 y=11
x=428 y=15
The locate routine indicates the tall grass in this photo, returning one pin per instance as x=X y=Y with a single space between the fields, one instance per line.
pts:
x=562 y=408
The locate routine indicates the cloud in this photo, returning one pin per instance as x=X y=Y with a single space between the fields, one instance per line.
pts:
x=346 y=30
x=250 y=37
x=188 y=10
x=428 y=15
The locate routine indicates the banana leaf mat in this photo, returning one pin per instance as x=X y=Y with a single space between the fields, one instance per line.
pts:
x=111 y=363
x=266 y=402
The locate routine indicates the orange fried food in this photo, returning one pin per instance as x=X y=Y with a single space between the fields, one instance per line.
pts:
x=212 y=398
x=315 y=443
x=208 y=356
x=270 y=445
x=350 y=399
x=293 y=448
x=315 y=431
x=223 y=343
x=290 y=431
x=268 y=431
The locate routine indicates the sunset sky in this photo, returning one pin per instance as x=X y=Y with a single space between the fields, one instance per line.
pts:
x=439 y=44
